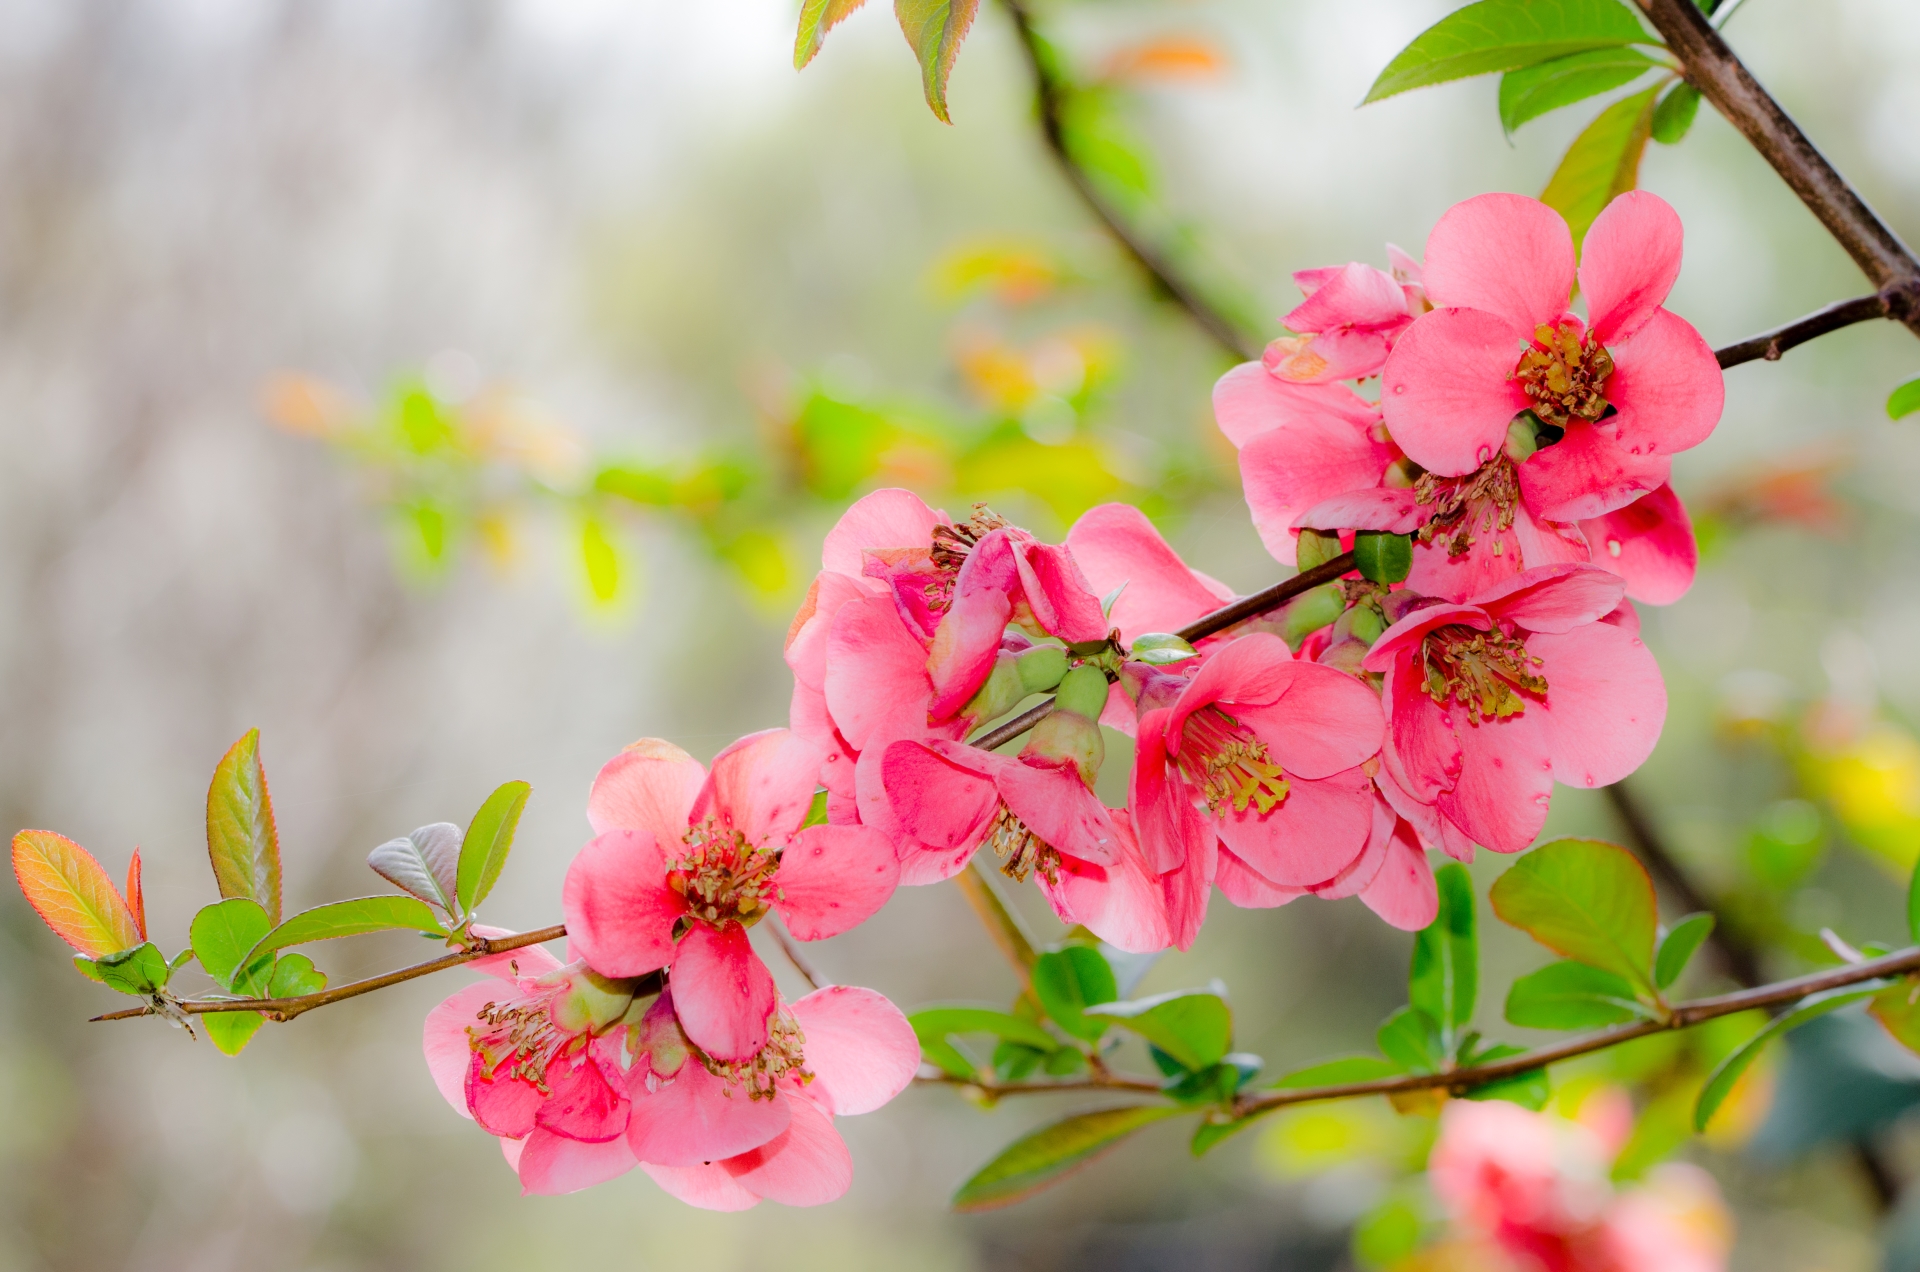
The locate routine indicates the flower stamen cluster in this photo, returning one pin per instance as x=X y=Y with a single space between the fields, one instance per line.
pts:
x=523 y=1032
x=951 y=546
x=1230 y=767
x=1482 y=502
x=1565 y=374
x=783 y=1056
x=1480 y=670
x=1021 y=852
x=723 y=876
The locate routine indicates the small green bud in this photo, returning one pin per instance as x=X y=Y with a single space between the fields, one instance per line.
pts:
x=1082 y=691
x=590 y=1002
x=1383 y=558
x=1344 y=655
x=1523 y=436
x=1069 y=735
x=1363 y=623
x=1041 y=667
x=1001 y=693
x=1308 y=612
x=1317 y=547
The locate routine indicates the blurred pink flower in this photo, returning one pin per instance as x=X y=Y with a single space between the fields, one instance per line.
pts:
x=685 y=861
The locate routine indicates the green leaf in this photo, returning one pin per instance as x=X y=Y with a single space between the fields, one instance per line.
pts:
x=1571 y=995
x=241 y=837
x=1602 y=163
x=817 y=17
x=140 y=970
x=935 y=30
x=944 y=1022
x=1532 y=91
x=1195 y=1027
x=816 y=811
x=1586 y=900
x=1897 y=1010
x=1720 y=1083
x=1388 y=1233
x=1904 y=400
x=1913 y=905
x=224 y=933
x=231 y=1031
x=600 y=559
x=1342 y=1072
x=489 y=839
x=1503 y=35
x=88 y=968
x=1411 y=1040
x=1013 y=1061
x=1445 y=976
x=1530 y=1089
x=349 y=918
x=1674 y=115
x=426 y=863
x=1070 y=980
x=1047 y=1156
x=1381 y=557
x=294 y=975
x=1209 y=1134
x=1678 y=947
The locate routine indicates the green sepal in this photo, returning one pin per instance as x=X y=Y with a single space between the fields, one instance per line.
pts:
x=1381 y=557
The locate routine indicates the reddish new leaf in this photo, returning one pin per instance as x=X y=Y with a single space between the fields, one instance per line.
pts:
x=241 y=838
x=136 y=898
x=935 y=29
x=72 y=894
x=817 y=17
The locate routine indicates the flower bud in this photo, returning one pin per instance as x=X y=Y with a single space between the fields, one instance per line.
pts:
x=1068 y=735
x=1345 y=655
x=1308 y=612
x=1363 y=623
x=1002 y=691
x=589 y=1002
x=1082 y=691
x=1042 y=667
x=1523 y=436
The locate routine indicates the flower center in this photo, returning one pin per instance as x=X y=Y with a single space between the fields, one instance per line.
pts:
x=951 y=544
x=723 y=877
x=784 y=1054
x=522 y=1035
x=1485 y=672
x=1021 y=852
x=1565 y=375
x=1482 y=502
x=1229 y=766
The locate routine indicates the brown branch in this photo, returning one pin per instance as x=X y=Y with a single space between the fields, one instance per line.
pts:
x=1051 y=93
x=282 y=1009
x=1098 y=1082
x=1898 y=301
x=1712 y=67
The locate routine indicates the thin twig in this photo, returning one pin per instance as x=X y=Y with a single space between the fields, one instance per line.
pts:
x=994 y=1090
x=1896 y=301
x=791 y=948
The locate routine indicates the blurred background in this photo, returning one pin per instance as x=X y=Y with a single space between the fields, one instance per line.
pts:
x=458 y=390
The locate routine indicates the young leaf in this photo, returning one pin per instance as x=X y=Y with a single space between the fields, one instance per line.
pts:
x=1381 y=557
x=72 y=895
x=1445 y=976
x=1013 y=1061
x=1195 y=1027
x=935 y=29
x=140 y=970
x=1532 y=91
x=1602 y=163
x=241 y=837
x=1720 y=1083
x=224 y=933
x=1341 y=1072
x=426 y=863
x=1586 y=900
x=348 y=918
x=489 y=839
x=1904 y=400
x=600 y=559
x=1070 y=980
x=88 y=968
x=136 y=896
x=231 y=1031
x=817 y=17
x=1503 y=35
x=1411 y=1040
x=1570 y=995
x=1208 y=1135
x=1674 y=115
x=294 y=975
x=1047 y=1156
x=1678 y=947
x=1530 y=1088
x=943 y=1022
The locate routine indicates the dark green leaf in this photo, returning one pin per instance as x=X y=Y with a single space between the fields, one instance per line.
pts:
x=232 y=1030
x=1530 y=1089
x=1381 y=557
x=1720 y=1083
x=1064 y=1062
x=1047 y=1156
x=1342 y=1072
x=935 y=30
x=1070 y=980
x=1532 y=91
x=1674 y=115
x=426 y=863
x=489 y=839
x=350 y=918
x=1904 y=400
x=1209 y=1134
x=223 y=934
x=944 y=1022
x=1571 y=995
x=1214 y=1084
x=1502 y=35
x=1411 y=1040
x=1602 y=163
x=1586 y=900
x=241 y=837
x=294 y=975
x=1194 y=1027
x=1013 y=1061
x=1445 y=976
x=140 y=970
x=1678 y=946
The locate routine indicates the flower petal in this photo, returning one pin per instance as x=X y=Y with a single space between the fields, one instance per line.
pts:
x=1057 y=592
x=1359 y=873
x=1394 y=509
x=581 y=1104
x=1290 y=470
x=1117 y=547
x=1403 y=892
x=1649 y=543
x=1169 y=828
x=1315 y=833
x=807 y=1165
x=1057 y=806
x=550 y=1165
x=1587 y=474
x=708 y=1187
x=942 y=793
x=1605 y=704
x=1255 y=668
x=834 y=877
x=1557 y=598
x=649 y=786
x=699 y=1118
x=890 y=518
x=1629 y=262
x=1323 y=722
x=1506 y=780
x=963 y=649
x=1248 y=888
x=1422 y=753
x=619 y=910
x=448 y=1046
x=1667 y=387
x=860 y=1048
x=503 y=1104
x=1503 y=253
x=1354 y=295
x=875 y=667
x=762 y=785
x=1447 y=394
x=1249 y=401
x=722 y=992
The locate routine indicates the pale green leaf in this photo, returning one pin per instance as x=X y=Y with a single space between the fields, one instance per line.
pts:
x=349 y=918
x=1532 y=91
x=1047 y=1156
x=1345 y=1071
x=294 y=976
x=1585 y=900
x=1571 y=995
x=817 y=17
x=483 y=853
x=224 y=933
x=1602 y=163
x=1720 y=1083
x=1502 y=35
x=231 y=1031
x=1678 y=947
x=1195 y=1027
x=140 y=970
x=935 y=30
x=1411 y=1039
x=241 y=837
x=1904 y=400
x=1444 y=979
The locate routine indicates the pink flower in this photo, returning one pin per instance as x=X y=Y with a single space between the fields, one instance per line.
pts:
x=1490 y=702
x=1118 y=549
x=1390 y=875
x=684 y=862
x=1351 y=317
x=1124 y=902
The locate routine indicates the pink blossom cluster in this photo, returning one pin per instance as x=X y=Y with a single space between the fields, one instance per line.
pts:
x=1279 y=758
x=1530 y=1192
